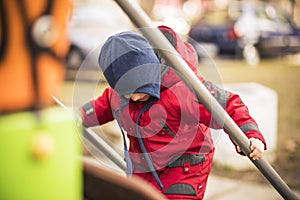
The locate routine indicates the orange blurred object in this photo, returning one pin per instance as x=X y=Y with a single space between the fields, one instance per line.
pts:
x=33 y=46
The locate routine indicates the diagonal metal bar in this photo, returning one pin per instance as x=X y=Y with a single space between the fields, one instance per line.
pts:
x=97 y=141
x=157 y=40
x=106 y=149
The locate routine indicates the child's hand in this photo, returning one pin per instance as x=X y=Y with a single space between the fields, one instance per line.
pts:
x=257 y=148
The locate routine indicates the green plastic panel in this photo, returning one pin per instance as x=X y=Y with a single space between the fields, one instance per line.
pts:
x=39 y=156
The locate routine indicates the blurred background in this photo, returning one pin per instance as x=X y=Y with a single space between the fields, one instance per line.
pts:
x=250 y=47
x=51 y=47
x=249 y=30
x=238 y=43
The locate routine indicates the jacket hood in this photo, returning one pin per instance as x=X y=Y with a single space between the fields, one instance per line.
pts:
x=187 y=52
x=130 y=65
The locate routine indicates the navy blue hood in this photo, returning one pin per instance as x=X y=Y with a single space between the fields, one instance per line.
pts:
x=130 y=65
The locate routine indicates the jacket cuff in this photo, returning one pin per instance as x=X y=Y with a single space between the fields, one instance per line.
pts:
x=256 y=135
x=89 y=117
x=253 y=134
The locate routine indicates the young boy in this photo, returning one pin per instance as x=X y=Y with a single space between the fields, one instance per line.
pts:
x=168 y=129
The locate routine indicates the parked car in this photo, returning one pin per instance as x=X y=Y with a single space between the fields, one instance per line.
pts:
x=251 y=30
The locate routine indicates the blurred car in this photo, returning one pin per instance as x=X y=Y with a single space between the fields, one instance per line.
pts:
x=90 y=25
x=249 y=29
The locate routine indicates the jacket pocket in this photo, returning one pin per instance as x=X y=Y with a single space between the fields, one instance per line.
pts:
x=181 y=188
x=165 y=127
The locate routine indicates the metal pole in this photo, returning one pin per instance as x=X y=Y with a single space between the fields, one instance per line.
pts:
x=97 y=141
x=157 y=40
x=100 y=144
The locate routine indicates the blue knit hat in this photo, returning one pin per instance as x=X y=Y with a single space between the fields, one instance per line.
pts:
x=130 y=65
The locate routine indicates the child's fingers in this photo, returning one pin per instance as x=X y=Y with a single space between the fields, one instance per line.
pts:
x=257 y=148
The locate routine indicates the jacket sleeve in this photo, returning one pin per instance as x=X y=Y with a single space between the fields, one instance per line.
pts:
x=98 y=111
x=237 y=110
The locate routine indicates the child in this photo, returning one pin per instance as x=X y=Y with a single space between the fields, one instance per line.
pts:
x=168 y=129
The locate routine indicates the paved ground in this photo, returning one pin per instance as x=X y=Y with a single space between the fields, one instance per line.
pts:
x=228 y=189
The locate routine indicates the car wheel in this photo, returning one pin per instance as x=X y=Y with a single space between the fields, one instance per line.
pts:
x=251 y=55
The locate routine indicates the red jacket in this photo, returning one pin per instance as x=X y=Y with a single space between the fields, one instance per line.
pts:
x=175 y=124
